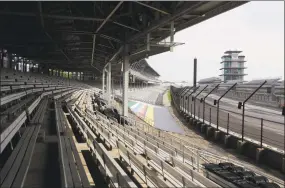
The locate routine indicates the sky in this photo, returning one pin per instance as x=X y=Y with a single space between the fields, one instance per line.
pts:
x=256 y=28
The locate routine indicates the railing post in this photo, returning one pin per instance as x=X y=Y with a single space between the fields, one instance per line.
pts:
x=191 y=109
x=210 y=115
x=195 y=99
x=199 y=111
x=218 y=107
x=243 y=106
x=261 y=134
x=182 y=97
x=242 y=123
x=194 y=90
x=218 y=103
x=228 y=123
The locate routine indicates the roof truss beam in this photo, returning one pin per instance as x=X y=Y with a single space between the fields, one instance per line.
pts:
x=109 y=16
x=152 y=7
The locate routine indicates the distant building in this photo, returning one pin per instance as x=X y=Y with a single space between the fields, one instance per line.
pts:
x=232 y=66
x=211 y=80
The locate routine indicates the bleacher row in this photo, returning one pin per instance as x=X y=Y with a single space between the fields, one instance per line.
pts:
x=24 y=102
x=14 y=170
x=71 y=166
x=19 y=102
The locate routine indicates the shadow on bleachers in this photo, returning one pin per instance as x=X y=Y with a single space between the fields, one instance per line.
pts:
x=97 y=177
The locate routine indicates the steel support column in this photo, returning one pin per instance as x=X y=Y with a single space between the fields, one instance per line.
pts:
x=2 y=58
x=109 y=74
x=10 y=61
x=103 y=83
x=107 y=84
x=172 y=30
x=126 y=67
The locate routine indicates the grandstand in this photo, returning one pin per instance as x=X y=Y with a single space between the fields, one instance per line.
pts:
x=60 y=63
x=30 y=137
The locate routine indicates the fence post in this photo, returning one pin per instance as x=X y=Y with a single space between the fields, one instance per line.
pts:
x=228 y=123
x=199 y=111
x=210 y=115
x=261 y=134
x=191 y=109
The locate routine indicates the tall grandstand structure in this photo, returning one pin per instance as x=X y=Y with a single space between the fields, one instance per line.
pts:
x=142 y=70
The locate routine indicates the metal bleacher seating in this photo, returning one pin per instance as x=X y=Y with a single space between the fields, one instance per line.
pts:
x=24 y=101
x=18 y=91
x=161 y=161
x=158 y=159
x=15 y=169
x=67 y=149
x=127 y=154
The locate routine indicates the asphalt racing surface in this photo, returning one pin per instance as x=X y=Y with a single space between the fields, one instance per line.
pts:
x=164 y=120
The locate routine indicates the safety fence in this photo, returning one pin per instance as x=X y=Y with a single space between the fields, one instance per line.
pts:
x=267 y=133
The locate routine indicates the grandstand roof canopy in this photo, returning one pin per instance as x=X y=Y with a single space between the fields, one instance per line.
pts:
x=143 y=67
x=66 y=34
